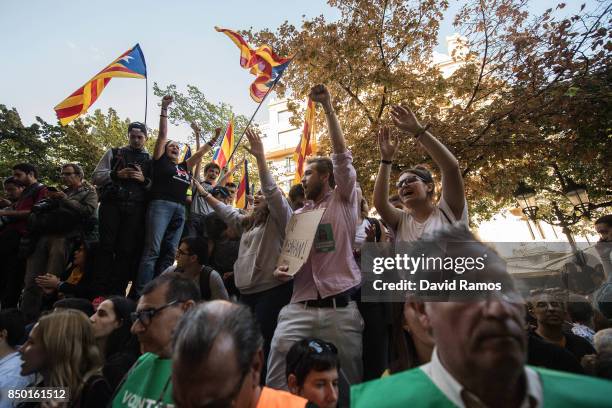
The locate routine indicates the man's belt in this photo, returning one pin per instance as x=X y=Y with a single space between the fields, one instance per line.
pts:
x=340 y=300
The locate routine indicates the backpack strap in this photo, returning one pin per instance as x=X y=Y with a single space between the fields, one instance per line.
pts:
x=205 y=291
x=445 y=215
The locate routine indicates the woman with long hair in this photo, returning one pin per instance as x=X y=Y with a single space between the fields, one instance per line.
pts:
x=165 y=215
x=411 y=342
x=416 y=186
x=263 y=232
x=119 y=347
x=62 y=349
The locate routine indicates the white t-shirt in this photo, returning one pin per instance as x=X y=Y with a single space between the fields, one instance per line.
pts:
x=408 y=229
x=360 y=234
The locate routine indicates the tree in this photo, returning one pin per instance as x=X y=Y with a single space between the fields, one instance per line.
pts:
x=194 y=107
x=49 y=146
x=19 y=143
x=519 y=104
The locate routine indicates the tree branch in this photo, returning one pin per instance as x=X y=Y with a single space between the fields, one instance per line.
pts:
x=397 y=55
x=484 y=58
x=383 y=103
x=358 y=101
x=379 y=39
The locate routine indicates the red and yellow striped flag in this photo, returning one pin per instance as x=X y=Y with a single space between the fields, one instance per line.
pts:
x=307 y=142
x=230 y=167
x=130 y=64
x=227 y=145
x=243 y=188
x=262 y=62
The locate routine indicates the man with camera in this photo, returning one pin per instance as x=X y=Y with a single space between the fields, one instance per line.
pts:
x=61 y=219
x=123 y=178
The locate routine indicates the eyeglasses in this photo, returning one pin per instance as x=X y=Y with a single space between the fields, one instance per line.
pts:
x=146 y=316
x=66 y=174
x=408 y=180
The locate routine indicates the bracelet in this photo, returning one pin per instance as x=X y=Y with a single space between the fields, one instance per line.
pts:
x=386 y=162
x=423 y=130
x=163 y=116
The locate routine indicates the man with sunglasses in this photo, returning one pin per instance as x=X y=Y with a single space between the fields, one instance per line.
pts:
x=123 y=177
x=218 y=358
x=163 y=303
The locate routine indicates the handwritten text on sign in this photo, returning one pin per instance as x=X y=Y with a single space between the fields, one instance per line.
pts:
x=300 y=233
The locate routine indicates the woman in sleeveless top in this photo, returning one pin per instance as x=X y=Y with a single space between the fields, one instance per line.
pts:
x=415 y=186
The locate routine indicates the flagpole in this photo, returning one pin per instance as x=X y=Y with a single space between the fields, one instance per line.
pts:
x=253 y=116
x=146 y=98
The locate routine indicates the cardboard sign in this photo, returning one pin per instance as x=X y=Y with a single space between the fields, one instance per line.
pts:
x=299 y=236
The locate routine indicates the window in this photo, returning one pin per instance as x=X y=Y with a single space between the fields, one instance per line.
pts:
x=285 y=137
x=289 y=165
x=284 y=116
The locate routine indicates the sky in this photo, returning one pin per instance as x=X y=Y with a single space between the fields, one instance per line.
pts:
x=51 y=48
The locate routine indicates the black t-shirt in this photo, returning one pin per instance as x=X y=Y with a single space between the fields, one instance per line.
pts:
x=170 y=180
x=576 y=345
x=544 y=354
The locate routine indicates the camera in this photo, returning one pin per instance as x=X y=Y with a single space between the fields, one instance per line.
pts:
x=44 y=205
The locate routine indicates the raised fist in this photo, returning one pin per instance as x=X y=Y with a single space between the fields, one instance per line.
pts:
x=195 y=128
x=166 y=101
x=320 y=94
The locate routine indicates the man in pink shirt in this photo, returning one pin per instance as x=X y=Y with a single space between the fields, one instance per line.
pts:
x=321 y=304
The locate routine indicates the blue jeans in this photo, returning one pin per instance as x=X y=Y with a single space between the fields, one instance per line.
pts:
x=163 y=226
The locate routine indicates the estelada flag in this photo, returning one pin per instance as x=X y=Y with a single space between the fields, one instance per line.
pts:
x=305 y=146
x=243 y=188
x=185 y=153
x=227 y=145
x=130 y=64
x=262 y=62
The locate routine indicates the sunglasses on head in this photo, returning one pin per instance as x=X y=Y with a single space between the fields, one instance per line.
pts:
x=319 y=347
x=408 y=180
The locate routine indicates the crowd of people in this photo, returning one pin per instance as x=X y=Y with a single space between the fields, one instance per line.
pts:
x=128 y=291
